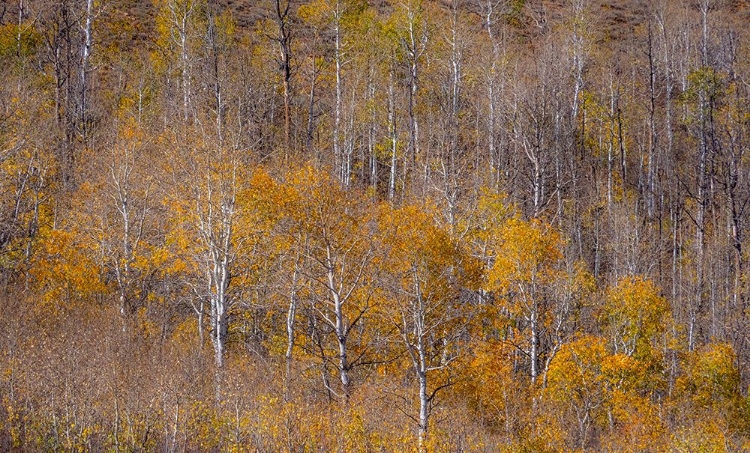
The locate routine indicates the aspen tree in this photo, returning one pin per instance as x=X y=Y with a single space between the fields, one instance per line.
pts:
x=425 y=272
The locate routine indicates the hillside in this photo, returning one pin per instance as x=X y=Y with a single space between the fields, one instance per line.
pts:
x=349 y=225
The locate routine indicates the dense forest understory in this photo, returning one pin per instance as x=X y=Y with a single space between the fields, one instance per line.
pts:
x=350 y=225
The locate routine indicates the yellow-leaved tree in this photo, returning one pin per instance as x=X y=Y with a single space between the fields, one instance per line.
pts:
x=712 y=413
x=424 y=274
x=331 y=230
x=537 y=292
x=606 y=386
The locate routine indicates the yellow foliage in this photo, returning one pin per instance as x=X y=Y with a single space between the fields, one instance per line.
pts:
x=635 y=316
x=527 y=254
x=575 y=374
x=63 y=270
x=711 y=379
x=636 y=424
x=707 y=436
x=492 y=389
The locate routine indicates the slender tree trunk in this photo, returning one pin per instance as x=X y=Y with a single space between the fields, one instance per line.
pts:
x=340 y=327
x=534 y=353
x=338 y=158
x=215 y=53
x=371 y=133
x=20 y=28
x=423 y=403
x=414 y=47
x=182 y=20
x=650 y=189
x=393 y=135
x=284 y=41
x=488 y=23
x=311 y=108
x=700 y=241
x=290 y=330
x=85 y=54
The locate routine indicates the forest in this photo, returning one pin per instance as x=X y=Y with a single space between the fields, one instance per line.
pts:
x=375 y=225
